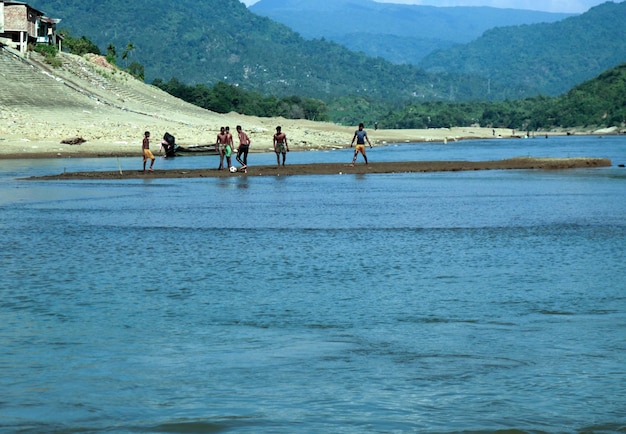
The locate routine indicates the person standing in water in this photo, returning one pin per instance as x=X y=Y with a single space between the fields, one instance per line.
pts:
x=360 y=136
x=280 y=145
x=147 y=153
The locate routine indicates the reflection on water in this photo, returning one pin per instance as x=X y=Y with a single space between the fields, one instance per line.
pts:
x=442 y=302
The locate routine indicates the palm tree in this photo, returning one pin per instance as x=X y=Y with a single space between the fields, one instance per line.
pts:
x=127 y=51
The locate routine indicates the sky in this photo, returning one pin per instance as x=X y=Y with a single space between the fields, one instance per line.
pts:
x=565 y=6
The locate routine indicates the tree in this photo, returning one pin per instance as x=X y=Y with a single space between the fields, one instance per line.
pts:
x=79 y=46
x=137 y=70
x=127 y=51
x=111 y=54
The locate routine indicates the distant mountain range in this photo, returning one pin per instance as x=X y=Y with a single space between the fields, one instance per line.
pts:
x=396 y=32
x=221 y=40
x=550 y=57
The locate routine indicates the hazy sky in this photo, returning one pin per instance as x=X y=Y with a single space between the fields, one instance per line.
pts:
x=569 y=6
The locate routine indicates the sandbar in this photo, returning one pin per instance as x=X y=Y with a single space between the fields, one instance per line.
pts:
x=527 y=163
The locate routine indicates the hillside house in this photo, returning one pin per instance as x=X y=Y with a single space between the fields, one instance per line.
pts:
x=21 y=24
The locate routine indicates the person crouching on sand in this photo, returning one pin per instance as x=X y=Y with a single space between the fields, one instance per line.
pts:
x=360 y=136
x=147 y=153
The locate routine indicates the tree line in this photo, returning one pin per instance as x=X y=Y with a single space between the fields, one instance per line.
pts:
x=597 y=103
x=225 y=98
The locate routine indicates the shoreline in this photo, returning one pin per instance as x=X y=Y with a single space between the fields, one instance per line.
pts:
x=25 y=149
x=527 y=163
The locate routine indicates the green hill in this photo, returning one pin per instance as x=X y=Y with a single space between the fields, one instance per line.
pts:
x=221 y=40
x=596 y=103
x=549 y=57
x=599 y=102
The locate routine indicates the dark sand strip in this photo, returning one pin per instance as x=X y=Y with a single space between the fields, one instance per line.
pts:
x=340 y=168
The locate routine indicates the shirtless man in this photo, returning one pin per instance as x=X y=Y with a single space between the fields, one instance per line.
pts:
x=228 y=150
x=280 y=145
x=244 y=146
x=360 y=136
x=220 y=146
x=145 y=149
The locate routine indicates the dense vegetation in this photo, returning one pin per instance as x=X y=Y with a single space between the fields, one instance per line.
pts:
x=49 y=52
x=552 y=57
x=600 y=102
x=222 y=41
x=216 y=41
x=78 y=46
x=225 y=98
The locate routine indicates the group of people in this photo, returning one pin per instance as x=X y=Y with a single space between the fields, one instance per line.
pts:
x=225 y=148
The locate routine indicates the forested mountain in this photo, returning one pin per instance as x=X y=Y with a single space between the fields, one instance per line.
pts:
x=550 y=57
x=596 y=103
x=399 y=33
x=210 y=41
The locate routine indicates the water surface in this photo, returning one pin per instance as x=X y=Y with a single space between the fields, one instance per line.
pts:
x=426 y=302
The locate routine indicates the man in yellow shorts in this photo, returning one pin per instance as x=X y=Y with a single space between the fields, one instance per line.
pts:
x=147 y=153
x=360 y=136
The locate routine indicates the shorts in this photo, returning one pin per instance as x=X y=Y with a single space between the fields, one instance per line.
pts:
x=280 y=148
x=220 y=147
x=228 y=151
x=360 y=148
x=147 y=153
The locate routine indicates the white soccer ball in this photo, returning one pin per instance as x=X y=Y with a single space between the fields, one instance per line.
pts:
x=232 y=169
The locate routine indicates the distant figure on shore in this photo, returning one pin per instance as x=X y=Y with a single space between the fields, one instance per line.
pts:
x=280 y=145
x=145 y=150
x=360 y=136
x=375 y=126
x=244 y=147
x=220 y=146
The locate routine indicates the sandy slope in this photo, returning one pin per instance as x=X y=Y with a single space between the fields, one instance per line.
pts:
x=41 y=106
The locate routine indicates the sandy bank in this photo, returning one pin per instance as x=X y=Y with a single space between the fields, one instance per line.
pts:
x=106 y=139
